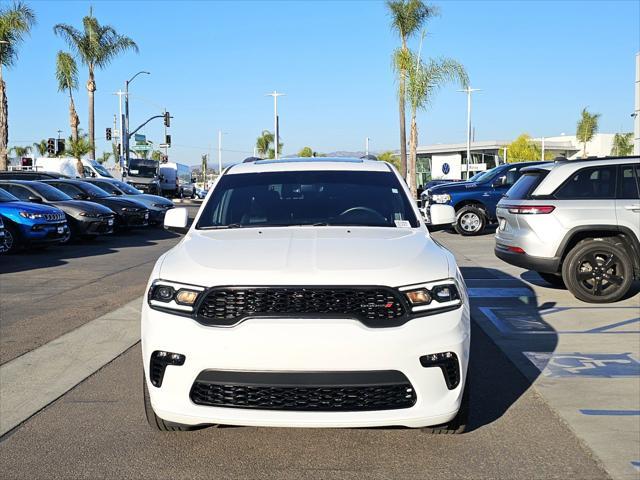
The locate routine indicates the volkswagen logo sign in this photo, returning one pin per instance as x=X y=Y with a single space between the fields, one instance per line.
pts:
x=446 y=168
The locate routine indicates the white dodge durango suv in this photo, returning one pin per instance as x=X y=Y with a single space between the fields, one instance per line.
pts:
x=307 y=293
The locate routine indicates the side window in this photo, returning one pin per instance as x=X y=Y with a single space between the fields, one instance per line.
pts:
x=18 y=191
x=68 y=189
x=512 y=176
x=86 y=171
x=628 y=182
x=589 y=184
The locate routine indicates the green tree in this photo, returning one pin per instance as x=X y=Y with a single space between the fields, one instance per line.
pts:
x=391 y=158
x=523 y=149
x=78 y=148
x=622 y=144
x=96 y=45
x=104 y=158
x=423 y=81
x=264 y=145
x=21 y=151
x=587 y=128
x=15 y=23
x=156 y=155
x=41 y=148
x=67 y=76
x=407 y=18
x=305 y=152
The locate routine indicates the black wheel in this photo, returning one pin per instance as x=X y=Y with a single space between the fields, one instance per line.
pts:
x=470 y=220
x=598 y=270
x=554 y=279
x=193 y=194
x=11 y=239
x=157 y=423
x=460 y=421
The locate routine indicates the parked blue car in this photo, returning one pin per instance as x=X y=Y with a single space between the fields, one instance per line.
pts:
x=475 y=200
x=28 y=224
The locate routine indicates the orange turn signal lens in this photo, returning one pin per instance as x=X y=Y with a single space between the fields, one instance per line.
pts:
x=186 y=297
x=418 y=297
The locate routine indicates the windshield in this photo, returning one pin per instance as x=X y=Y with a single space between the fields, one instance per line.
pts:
x=143 y=168
x=486 y=175
x=308 y=198
x=126 y=188
x=7 y=197
x=108 y=187
x=101 y=170
x=93 y=191
x=50 y=193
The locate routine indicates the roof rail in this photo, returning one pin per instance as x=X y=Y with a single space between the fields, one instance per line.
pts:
x=594 y=158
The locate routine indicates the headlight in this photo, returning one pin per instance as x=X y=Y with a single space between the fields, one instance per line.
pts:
x=31 y=216
x=129 y=209
x=89 y=214
x=173 y=296
x=162 y=205
x=441 y=198
x=441 y=295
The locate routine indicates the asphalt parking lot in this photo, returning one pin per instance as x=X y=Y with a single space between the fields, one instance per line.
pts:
x=556 y=383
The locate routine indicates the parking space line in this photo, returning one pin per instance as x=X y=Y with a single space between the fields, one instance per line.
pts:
x=615 y=413
x=35 y=379
x=515 y=292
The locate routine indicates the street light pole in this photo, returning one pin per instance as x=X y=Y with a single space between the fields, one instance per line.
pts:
x=276 y=133
x=126 y=115
x=366 y=146
x=469 y=91
x=219 y=152
x=120 y=93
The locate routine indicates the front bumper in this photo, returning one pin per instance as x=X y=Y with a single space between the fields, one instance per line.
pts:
x=89 y=227
x=134 y=219
x=306 y=345
x=156 y=216
x=42 y=233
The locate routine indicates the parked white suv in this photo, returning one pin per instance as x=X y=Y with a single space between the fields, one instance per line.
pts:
x=576 y=223
x=307 y=293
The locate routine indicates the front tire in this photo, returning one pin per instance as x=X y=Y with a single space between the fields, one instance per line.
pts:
x=598 y=270
x=157 y=423
x=470 y=221
x=11 y=239
x=459 y=423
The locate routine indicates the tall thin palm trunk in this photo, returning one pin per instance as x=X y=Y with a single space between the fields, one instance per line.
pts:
x=403 y=127
x=4 y=125
x=91 y=88
x=413 y=145
x=74 y=121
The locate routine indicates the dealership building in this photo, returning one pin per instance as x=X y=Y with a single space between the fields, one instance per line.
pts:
x=449 y=161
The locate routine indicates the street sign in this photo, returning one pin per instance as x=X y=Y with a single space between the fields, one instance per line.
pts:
x=140 y=138
x=164 y=145
x=140 y=148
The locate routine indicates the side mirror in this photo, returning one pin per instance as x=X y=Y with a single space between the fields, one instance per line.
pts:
x=441 y=217
x=34 y=199
x=161 y=177
x=93 y=175
x=81 y=196
x=499 y=182
x=176 y=220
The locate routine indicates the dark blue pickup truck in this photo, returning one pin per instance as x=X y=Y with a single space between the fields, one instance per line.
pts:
x=475 y=200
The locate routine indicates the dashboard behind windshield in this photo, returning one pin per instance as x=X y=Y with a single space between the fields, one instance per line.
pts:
x=308 y=198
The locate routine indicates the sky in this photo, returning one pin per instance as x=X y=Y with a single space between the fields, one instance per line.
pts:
x=213 y=62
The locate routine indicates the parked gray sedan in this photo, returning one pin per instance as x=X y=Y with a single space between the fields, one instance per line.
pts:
x=156 y=204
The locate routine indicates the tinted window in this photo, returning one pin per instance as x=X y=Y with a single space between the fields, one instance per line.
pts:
x=589 y=183
x=92 y=190
x=525 y=185
x=628 y=182
x=107 y=187
x=308 y=198
x=18 y=191
x=126 y=188
x=68 y=188
x=6 y=196
x=50 y=193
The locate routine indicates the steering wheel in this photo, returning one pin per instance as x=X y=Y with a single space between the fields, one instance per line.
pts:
x=364 y=211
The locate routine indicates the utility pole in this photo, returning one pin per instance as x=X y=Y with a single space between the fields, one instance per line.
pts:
x=125 y=143
x=366 y=146
x=276 y=134
x=469 y=91
x=120 y=93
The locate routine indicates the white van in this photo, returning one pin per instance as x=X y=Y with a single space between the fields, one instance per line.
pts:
x=67 y=166
x=176 y=180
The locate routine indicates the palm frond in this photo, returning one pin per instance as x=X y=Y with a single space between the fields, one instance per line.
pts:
x=66 y=71
x=408 y=16
x=15 y=23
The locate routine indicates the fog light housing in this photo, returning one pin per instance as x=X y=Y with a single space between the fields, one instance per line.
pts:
x=159 y=361
x=448 y=363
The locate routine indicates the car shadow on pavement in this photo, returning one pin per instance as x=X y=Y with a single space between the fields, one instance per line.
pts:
x=507 y=332
x=56 y=255
x=532 y=277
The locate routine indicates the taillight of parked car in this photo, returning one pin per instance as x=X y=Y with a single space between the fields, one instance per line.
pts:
x=529 y=209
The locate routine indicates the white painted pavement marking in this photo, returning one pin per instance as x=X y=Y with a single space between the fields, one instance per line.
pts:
x=35 y=379
x=500 y=292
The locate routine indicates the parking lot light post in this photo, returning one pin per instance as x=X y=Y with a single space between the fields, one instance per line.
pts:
x=469 y=91
x=276 y=133
x=126 y=114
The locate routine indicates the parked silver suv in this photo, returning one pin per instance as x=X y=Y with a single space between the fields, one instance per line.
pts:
x=576 y=223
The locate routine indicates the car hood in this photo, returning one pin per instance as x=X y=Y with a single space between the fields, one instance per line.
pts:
x=77 y=206
x=149 y=200
x=118 y=203
x=27 y=207
x=306 y=256
x=452 y=187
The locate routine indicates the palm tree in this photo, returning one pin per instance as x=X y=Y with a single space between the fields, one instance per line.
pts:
x=305 y=152
x=41 y=148
x=156 y=155
x=622 y=144
x=407 y=18
x=586 y=129
x=15 y=23
x=264 y=145
x=391 y=158
x=21 y=151
x=96 y=45
x=423 y=81
x=67 y=76
x=78 y=148
x=104 y=158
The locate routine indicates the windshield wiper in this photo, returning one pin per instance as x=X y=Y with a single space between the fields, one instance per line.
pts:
x=220 y=227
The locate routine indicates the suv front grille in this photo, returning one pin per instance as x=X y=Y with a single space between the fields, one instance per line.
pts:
x=305 y=391
x=229 y=305
x=52 y=217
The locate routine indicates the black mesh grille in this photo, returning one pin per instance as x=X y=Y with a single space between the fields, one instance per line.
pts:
x=227 y=306
x=319 y=398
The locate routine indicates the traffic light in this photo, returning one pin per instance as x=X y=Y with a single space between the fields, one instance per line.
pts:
x=108 y=134
x=51 y=146
x=167 y=139
x=167 y=119
x=27 y=162
x=60 y=147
